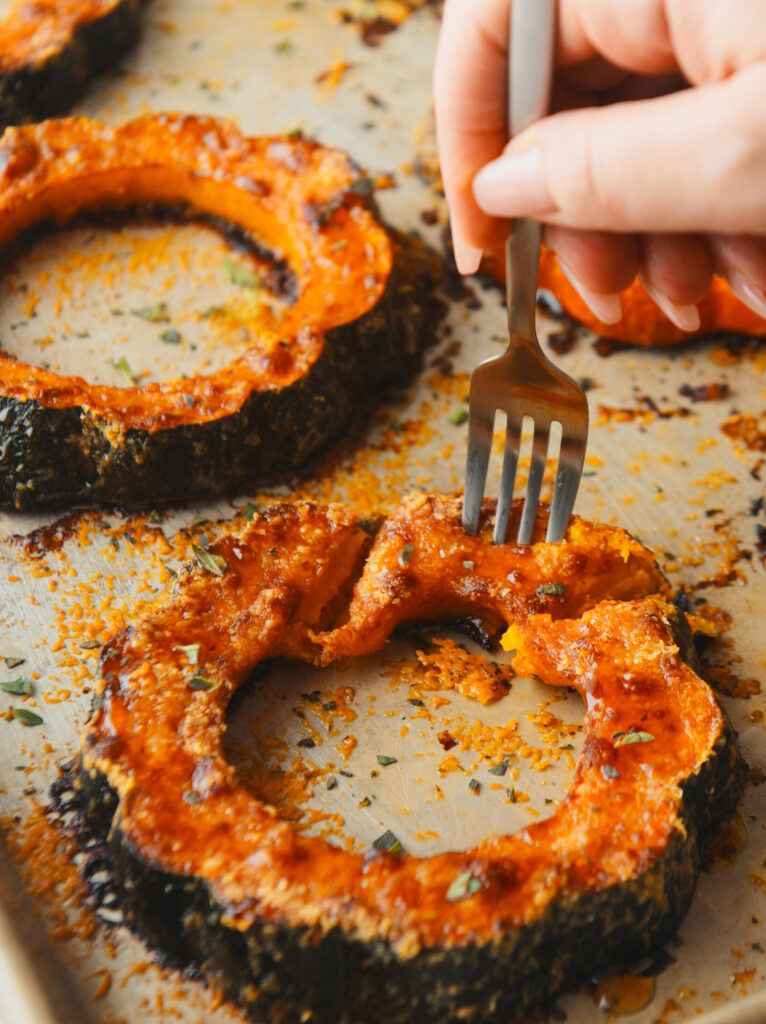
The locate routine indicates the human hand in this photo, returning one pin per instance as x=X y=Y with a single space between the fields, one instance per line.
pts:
x=653 y=162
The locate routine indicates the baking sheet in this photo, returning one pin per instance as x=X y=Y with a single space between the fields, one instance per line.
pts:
x=658 y=465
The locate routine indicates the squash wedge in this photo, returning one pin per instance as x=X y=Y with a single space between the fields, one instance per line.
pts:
x=293 y=928
x=357 y=324
x=50 y=48
x=643 y=323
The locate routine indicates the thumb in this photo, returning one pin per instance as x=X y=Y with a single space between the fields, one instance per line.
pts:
x=687 y=162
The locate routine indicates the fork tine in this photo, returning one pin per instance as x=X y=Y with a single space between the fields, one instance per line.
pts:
x=534 y=483
x=481 y=423
x=510 y=464
x=571 y=459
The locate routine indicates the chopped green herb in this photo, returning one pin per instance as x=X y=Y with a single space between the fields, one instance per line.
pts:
x=397 y=425
x=283 y=46
x=510 y=794
x=123 y=366
x=154 y=518
x=609 y=771
x=458 y=417
x=13 y=662
x=210 y=562
x=331 y=782
x=190 y=400
x=90 y=645
x=385 y=760
x=307 y=741
x=191 y=651
x=634 y=737
x=250 y=513
x=294 y=133
x=362 y=186
x=156 y=314
x=330 y=705
x=201 y=683
x=416 y=702
x=239 y=275
x=27 y=717
x=499 y=769
x=388 y=843
x=474 y=785
x=339 y=245
x=21 y=685
x=199 y=520
x=464 y=885
x=171 y=336
x=364 y=802
x=554 y=589
x=190 y=797
x=405 y=555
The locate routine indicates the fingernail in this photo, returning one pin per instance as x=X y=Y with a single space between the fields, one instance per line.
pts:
x=686 y=318
x=514 y=186
x=746 y=292
x=605 y=307
x=467 y=257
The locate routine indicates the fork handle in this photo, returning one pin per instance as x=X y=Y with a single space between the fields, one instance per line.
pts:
x=530 y=69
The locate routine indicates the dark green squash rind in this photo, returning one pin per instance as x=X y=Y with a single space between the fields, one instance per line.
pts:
x=51 y=457
x=287 y=974
x=49 y=85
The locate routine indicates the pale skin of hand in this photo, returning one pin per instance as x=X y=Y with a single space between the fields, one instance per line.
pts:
x=653 y=162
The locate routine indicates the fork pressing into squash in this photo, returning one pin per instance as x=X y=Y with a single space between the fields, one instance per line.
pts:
x=523 y=382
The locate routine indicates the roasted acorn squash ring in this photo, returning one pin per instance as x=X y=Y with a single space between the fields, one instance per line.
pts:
x=643 y=322
x=356 y=324
x=291 y=925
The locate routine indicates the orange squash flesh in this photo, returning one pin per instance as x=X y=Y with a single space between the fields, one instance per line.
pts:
x=153 y=739
x=643 y=322
x=275 y=188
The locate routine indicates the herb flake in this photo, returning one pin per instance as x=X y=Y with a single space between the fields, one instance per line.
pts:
x=609 y=771
x=191 y=651
x=171 y=336
x=464 y=885
x=22 y=685
x=385 y=760
x=201 y=683
x=553 y=589
x=123 y=366
x=214 y=564
x=388 y=843
x=458 y=417
x=27 y=717
x=633 y=737
x=156 y=314
x=405 y=555
x=239 y=275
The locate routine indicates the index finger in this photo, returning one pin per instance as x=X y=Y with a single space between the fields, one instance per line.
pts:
x=470 y=82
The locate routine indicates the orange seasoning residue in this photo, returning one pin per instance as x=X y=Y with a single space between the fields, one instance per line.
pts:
x=45 y=858
x=451 y=667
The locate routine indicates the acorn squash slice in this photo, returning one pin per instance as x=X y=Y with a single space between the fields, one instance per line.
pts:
x=50 y=48
x=363 y=308
x=294 y=928
x=643 y=322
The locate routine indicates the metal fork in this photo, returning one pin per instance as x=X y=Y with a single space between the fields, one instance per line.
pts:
x=523 y=381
